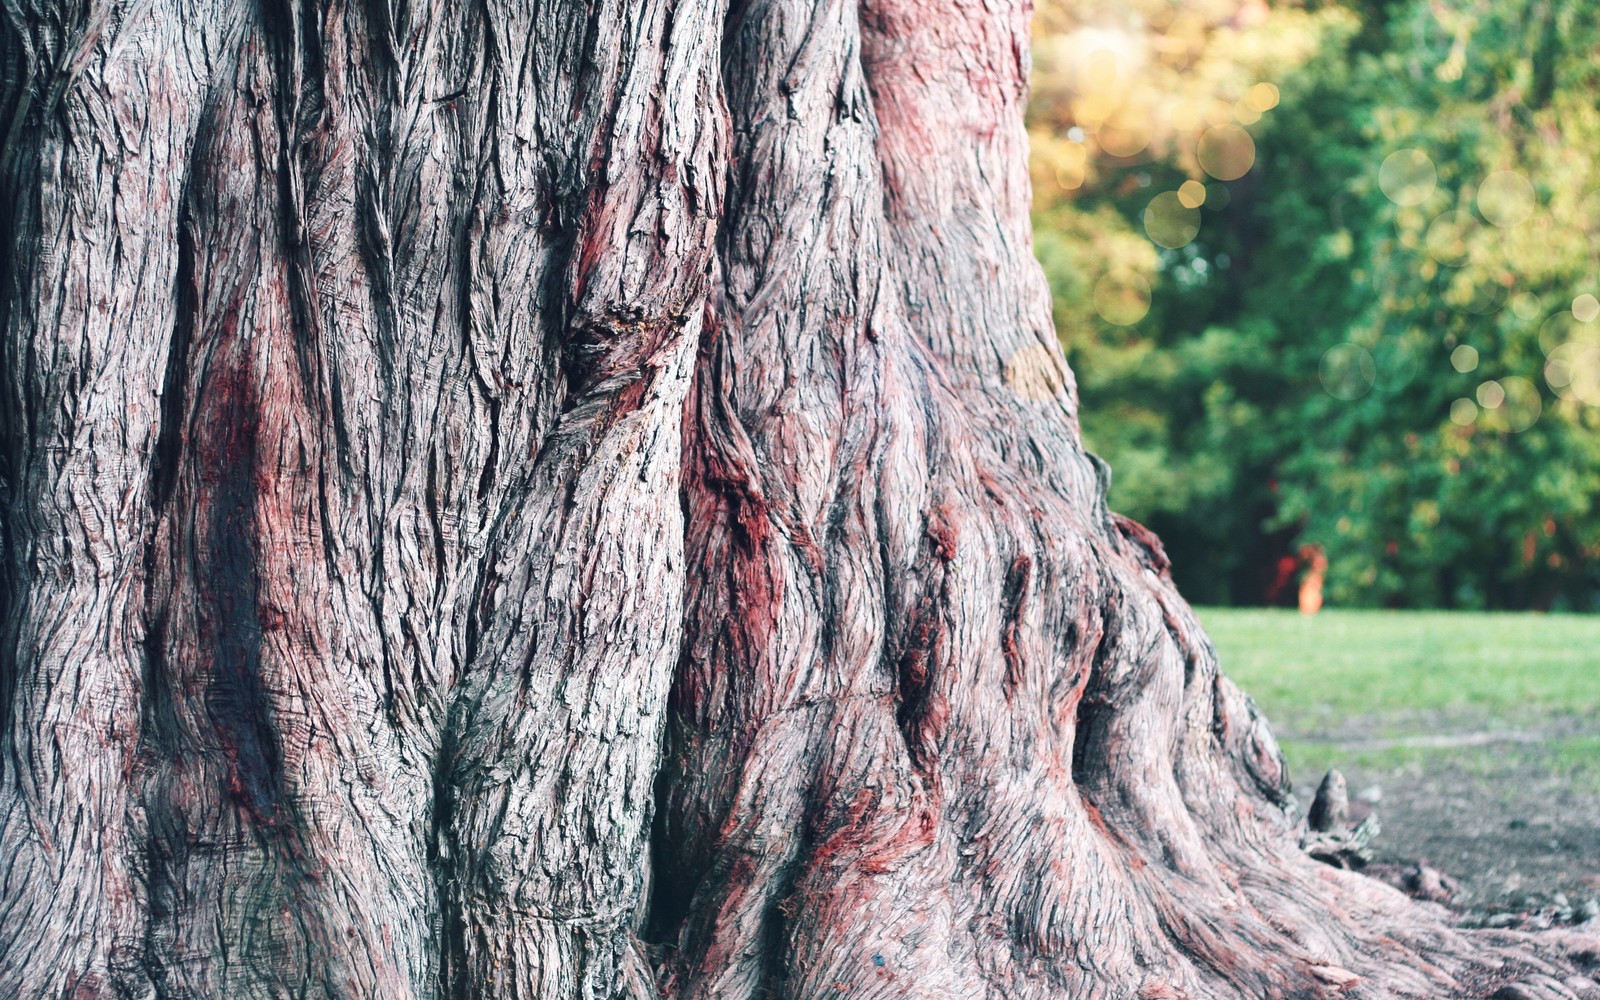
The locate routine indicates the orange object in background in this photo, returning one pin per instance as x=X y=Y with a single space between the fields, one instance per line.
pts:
x=1311 y=585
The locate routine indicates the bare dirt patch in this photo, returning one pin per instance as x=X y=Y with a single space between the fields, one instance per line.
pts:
x=1511 y=815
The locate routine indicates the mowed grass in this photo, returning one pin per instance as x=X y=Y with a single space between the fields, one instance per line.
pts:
x=1371 y=689
x=1311 y=672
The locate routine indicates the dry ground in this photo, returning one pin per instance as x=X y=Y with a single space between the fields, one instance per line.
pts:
x=1477 y=735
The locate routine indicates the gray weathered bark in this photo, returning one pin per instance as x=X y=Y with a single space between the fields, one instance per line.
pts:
x=560 y=499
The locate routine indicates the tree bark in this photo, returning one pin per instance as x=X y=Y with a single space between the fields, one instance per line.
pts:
x=558 y=499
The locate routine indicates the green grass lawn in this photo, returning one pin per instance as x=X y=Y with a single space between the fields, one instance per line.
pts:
x=1315 y=670
x=1366 y=687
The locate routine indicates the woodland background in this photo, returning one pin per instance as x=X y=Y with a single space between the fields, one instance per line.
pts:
x=1326 y=273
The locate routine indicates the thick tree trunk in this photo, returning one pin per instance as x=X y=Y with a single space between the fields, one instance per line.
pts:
x=561 y=499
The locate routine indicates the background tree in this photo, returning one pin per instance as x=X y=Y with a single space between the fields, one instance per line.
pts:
x=1288 y=374
x=415 y=418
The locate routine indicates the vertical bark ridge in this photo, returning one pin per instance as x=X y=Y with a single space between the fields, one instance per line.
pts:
x=442 y=272
x=783 y=693
x=99 y=118
x=554 y=737
x=275 y=868
x=997 y=759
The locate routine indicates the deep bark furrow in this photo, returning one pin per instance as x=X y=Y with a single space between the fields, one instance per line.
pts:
x=447 y=274
x=88 y=310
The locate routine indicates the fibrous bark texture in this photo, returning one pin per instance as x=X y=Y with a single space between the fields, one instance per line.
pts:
x=581 y=499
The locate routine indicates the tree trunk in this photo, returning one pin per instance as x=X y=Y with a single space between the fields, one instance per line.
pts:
x=559 y=499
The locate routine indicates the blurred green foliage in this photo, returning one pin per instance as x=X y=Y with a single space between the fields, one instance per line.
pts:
x=1379 y=339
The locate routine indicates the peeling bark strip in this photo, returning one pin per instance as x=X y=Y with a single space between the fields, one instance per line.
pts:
x=582 y=500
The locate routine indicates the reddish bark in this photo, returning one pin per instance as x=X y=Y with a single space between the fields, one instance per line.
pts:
x=583 y=500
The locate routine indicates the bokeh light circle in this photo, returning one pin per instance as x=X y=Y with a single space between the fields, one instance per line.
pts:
x=1094 y=108
x=1169 y=222
x=1125 y=134
x=1395 y=363
x=1407 y=177
x=1192 y=194
x=1226 y=152
x=1463 y=412
x=1490 y=394
x=1347 y=371
x=1561 y=328
x=1098 y=71
x=1585 y=308
x=1589 y=209
x=1071 y=160
x=1520 y=403
x=1464 y=358
x=1526 y=305
x=1506 y=198
x=1122 y=298
x=1262 y=97
x=1573 y=372
x=1449 y=238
